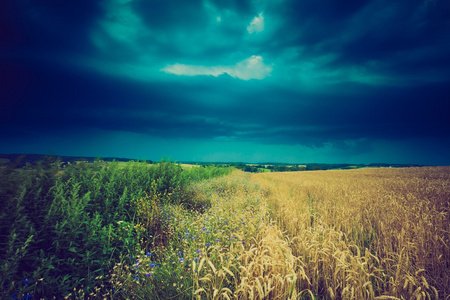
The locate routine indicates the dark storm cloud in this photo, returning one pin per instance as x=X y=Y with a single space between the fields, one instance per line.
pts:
x=250 y=111
x=310 y=73
x=399 y=39
x=47 y=27
x=48 y=102
x=166 y=15
x=384 y=114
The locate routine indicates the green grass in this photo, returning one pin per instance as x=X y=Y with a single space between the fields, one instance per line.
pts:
x=62 y=231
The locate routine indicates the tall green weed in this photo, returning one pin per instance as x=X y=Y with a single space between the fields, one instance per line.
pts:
x=65 y=228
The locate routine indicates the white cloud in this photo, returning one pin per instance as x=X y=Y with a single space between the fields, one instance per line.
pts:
x=257 y=24
x=193 y=70
x=250 y=68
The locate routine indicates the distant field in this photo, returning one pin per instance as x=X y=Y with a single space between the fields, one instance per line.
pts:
x=366 y=233
x=189 y=166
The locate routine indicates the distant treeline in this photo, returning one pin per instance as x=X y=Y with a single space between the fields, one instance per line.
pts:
x=268 y=167
x=21 y=159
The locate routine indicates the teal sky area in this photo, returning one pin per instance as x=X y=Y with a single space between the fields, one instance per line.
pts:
x=213 y=80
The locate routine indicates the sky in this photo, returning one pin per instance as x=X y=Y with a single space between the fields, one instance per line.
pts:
x=289 y=81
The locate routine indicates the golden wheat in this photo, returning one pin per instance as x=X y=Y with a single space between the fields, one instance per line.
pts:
x=264 y=268
x=367 y=233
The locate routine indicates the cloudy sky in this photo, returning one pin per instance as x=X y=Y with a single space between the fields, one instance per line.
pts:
x=227 y=80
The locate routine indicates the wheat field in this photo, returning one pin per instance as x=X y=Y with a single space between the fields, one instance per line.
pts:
x=364 y=234
x=374 y=233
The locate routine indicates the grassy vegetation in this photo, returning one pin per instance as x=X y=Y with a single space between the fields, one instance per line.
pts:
x=139 y=231
x=62 y=229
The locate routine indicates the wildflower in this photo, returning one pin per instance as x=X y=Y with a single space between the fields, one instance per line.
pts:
x=196 y=259
x=217 y=240
x=149 y=274
x=208 y=244
x=152 y=265
x=14 y=296
x=148 y=254
x=27 y=296
x=25 y=282
x=181 y=260
x=180 y=253
x=136 y=278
